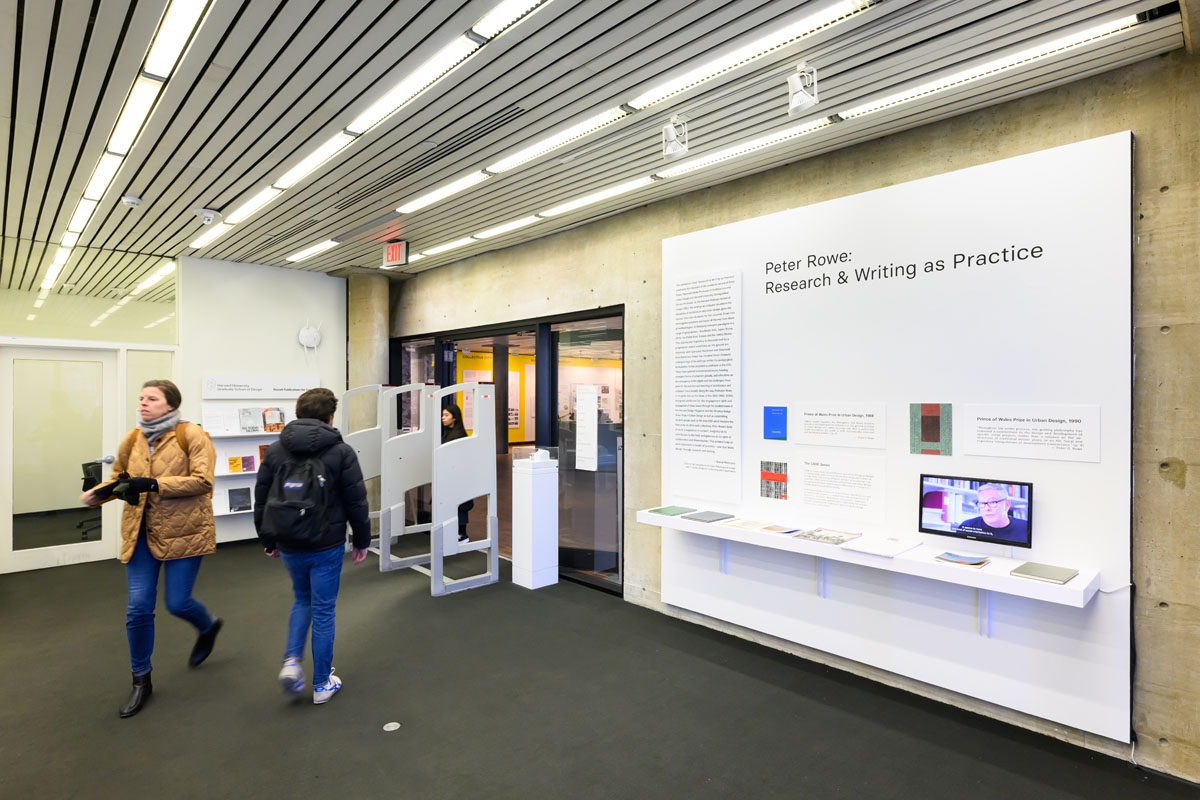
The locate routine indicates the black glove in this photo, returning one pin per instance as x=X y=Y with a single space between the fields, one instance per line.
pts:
x=103 y=492
x=143 y=485
x=128 y=488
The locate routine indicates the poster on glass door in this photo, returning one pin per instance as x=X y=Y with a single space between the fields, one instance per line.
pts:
x=587 y=413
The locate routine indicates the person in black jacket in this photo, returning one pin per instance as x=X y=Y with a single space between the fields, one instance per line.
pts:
x=315 y=565
x=453 y=428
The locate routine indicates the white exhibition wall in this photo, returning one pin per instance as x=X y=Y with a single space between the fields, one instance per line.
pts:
x=1002 y=290
x=243 y=320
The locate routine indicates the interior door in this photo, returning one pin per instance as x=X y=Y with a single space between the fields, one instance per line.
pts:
x=58 y=417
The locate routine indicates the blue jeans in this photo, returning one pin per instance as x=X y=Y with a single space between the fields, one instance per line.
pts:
x=141 y=573
x=315 y=580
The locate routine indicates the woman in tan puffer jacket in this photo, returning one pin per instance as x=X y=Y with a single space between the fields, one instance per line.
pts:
x=164 y=470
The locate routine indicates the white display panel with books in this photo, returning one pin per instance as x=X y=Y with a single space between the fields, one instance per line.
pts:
x=241 y=429
x=877 y=363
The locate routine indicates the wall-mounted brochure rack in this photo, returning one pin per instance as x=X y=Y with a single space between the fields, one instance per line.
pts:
x=233 y=491
x=920 y=561
x=243 y=417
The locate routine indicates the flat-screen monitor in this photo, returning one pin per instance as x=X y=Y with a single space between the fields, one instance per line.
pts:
x=979 y=509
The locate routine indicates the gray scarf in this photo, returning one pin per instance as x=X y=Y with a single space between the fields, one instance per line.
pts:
x=157 y=427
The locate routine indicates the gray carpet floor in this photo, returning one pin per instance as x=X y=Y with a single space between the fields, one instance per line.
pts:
x=500 y=692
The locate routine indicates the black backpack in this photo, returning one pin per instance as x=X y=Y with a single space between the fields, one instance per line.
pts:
x=297 y=502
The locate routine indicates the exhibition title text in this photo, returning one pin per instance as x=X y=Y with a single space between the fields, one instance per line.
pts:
x=838 y=269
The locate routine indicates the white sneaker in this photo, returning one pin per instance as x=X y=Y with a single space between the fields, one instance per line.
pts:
x=291 y=677
x=322 y=694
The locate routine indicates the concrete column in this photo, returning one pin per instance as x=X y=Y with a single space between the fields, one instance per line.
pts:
x=367 y=353
x=367 y=329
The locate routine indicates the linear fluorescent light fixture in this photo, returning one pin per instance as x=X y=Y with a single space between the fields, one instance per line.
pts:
x=69 y=239
x=61 y=256
x=442 y=248
x=30 y=317
x=102 y=176
x=418 y=81
x=146 y=284
x=556 y=140
x=596 y=197
x=743 y=148
x=415 y=257
x=38 y=303
x=172 y=36
x=51 y=278
x=316 y=158
x=214 y=232
x=789 y=34
x=166 y=269
x=137 y=108
x=501 y=18
x=312 y=251
x=442 y=192
x=83 y=212
x=507 y=227
x=994 y=66
x=252 y=205
x=504 y=16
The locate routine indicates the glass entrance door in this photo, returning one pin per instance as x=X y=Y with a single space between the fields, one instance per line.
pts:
x=58 y=421
x=590 y=366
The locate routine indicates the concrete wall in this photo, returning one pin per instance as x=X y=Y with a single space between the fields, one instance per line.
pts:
x=618 y=260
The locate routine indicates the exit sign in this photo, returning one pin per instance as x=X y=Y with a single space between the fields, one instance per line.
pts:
x=395 y=254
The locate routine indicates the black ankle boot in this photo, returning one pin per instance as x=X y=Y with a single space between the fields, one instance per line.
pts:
x=204 y=644
x=142 y=689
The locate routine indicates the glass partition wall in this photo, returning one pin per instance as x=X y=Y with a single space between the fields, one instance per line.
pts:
x=579 y=390
x=589 y=365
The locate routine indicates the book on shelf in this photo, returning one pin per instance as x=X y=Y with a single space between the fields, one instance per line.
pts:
x=672 y=511
x=886 y=546
x=239 y=499
x=235 y=463
x=708 y=516
x=262 y=452
x=272 y=419
x=826 y=535
x=247 y=463
x=250 y=420
x=964 y=560
x=746 y=524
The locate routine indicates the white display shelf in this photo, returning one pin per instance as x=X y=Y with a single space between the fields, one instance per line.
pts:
x=920 y=561
x=260 y=435
x=234 y=474
x=232 y=513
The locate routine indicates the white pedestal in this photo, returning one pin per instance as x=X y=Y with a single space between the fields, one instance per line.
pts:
x=535 y=523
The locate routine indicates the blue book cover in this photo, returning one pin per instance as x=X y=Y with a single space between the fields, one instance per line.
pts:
x=775 y=422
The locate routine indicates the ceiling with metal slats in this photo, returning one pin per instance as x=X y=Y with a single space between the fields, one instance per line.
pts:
x=263 y=82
